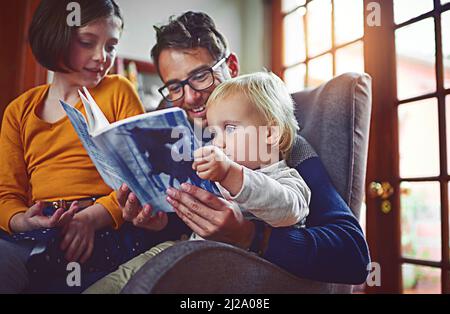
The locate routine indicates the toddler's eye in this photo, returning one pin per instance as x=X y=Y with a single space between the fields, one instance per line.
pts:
x=229 y=128
x=211 y=132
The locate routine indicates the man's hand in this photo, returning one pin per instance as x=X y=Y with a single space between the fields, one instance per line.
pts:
x=210 y=216
x=133 y=211
x=34 y=218
x=211 y=163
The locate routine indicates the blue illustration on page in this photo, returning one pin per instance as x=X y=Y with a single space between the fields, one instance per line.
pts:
x=149 y=152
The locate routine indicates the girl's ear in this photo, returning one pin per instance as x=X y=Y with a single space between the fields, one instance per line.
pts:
x=233 y=64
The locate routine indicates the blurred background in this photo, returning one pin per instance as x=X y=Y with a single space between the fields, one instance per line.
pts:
x=403 y=44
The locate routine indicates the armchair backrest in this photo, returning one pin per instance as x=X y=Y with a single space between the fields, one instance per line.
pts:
x=335 y=121
x=335 y=118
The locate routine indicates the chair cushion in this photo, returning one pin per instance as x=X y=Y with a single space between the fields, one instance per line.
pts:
x=334 y=118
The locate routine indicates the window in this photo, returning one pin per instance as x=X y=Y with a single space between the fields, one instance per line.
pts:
x=321 y=39
x=422 y=72
x=408 y=57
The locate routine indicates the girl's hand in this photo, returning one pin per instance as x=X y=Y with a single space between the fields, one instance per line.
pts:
x=211 y=163
x=34 y=218
x=78 y=237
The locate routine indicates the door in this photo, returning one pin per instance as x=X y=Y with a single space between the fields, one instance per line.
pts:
x=19 y=70
x=405 y=46
x=408 y=57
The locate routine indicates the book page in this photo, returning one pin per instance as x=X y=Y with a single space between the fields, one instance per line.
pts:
x=95 y=117
x=154 y=152
x=106 y=166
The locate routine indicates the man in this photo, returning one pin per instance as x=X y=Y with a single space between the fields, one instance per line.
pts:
x=192 y=58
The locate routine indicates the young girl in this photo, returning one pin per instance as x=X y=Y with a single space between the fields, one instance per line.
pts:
x=253 y=123
x=52 y=199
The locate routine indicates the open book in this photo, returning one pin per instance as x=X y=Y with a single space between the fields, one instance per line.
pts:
x=148 y=152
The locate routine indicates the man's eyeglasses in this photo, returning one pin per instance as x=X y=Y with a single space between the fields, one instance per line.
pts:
x=198 y=81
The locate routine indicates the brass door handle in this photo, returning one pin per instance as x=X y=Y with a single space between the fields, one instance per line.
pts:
x=382 y=190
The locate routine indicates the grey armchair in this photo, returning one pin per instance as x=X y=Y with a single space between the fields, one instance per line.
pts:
x=335 y=121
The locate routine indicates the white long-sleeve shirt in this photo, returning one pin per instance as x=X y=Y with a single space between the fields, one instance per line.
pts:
x=276 y=194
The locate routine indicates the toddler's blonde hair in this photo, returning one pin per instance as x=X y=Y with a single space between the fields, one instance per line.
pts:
x=269 y=94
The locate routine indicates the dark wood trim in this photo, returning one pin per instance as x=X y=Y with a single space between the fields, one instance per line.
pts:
x=383 y=230
x=438 y=9
x=424 y=179
x=413 y=261
x=330 y=51
x=19 y=70
x=277 y=39
x=142 y=66
x=442 y=142
x=333 y=38
x=415 y=20
x=122 y=63
x=31 y=72
x=305 y=28
x=417 y=98
x=284 y=14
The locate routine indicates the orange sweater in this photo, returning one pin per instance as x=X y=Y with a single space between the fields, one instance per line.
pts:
x=46 y=161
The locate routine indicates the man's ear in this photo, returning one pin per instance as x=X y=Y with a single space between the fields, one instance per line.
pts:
x=233 y=64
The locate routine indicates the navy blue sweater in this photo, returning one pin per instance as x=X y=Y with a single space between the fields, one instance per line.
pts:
x=332 y=247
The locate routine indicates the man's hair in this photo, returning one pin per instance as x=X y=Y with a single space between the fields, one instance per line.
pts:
x=187 y=31
x=268 y=93
x=50 y=35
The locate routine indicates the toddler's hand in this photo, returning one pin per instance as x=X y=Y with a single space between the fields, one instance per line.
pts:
x=211 y=163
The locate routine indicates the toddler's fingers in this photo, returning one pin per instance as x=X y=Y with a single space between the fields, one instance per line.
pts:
x=204 y=167
x=204 y=175
x=205 y=151
x=198 y=153
x=199 y=161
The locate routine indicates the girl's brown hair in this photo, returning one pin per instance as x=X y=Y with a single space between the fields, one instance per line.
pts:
x=50 y=34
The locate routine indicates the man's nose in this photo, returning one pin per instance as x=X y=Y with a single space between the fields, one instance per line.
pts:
x=191 y=96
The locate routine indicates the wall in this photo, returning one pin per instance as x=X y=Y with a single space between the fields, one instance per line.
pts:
x=241 y=21
x=256 y=32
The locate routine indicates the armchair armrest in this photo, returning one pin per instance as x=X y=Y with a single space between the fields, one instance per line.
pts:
x=205 y=267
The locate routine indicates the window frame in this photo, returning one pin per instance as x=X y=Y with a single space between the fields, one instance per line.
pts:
x=380 y=64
